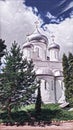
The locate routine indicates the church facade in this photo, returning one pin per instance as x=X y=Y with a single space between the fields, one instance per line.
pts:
x=48 y=66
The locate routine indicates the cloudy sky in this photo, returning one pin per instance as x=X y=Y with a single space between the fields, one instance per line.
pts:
x=18 y=17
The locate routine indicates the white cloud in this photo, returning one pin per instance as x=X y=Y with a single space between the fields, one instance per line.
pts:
x=63 y=34
x=17 y=21
x=70 y=5
x=61 y=2
x=49 y=15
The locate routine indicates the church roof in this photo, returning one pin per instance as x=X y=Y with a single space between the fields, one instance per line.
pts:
x=28 y=45
x=37 y=36
x=54 y=45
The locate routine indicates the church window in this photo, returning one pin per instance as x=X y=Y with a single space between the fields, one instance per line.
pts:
x=51 y=85
x=45 y=84
x=55 y=54
x=45 y=54
x=62 y=85
x=37 y=51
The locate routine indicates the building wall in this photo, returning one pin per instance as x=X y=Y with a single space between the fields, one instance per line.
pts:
x=48 y=64
x=54 y=54
x=52 y=89
x=60 y=90
x=47 y=89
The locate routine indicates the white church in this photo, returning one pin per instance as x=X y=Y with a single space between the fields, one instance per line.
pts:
x=48 y=66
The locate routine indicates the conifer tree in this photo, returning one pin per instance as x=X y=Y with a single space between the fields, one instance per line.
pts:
x=18 y=80
x=2 y=48
x=66 y=75
x=70 y=90
x=38 y=100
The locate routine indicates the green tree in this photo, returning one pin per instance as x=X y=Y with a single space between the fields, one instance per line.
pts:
x=38 y=101
x=70 y=90
x=68 y=77
x=18 y=82
x=2 y=48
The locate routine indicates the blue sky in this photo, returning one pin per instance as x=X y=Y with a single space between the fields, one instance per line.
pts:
x=59 y=10
x=17 y=19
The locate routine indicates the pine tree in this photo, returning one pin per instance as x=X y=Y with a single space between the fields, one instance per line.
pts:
x=38 y=101
x=66 y=75
x=70 y=62
x=2 y=48
x=18 y=82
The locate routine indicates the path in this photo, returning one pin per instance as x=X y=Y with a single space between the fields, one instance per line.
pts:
x=63 y=126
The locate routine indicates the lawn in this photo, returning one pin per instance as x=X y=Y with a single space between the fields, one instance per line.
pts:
x=27 y=115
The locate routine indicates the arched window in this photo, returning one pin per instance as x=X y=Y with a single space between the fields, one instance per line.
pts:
x=52 y=85
x=62 y=84
x=37 y=51
x=45 y=84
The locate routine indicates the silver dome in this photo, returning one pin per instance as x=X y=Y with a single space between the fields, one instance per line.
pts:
x=28 y=45
x=54 y=45
x=37 y=36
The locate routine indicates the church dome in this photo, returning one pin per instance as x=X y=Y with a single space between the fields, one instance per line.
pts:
x=44 y=71
x=54 y=45
x=27 y=45
x=37 y=36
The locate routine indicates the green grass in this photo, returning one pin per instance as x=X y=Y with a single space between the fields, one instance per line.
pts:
x=56 y=113
x=27 y=114
x=28 y=107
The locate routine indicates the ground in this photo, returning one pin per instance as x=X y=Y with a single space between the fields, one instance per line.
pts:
x=61 y=126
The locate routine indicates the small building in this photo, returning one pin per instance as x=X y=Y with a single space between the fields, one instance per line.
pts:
x=47 y=65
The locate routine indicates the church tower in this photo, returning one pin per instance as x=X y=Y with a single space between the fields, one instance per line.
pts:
x=54 y=50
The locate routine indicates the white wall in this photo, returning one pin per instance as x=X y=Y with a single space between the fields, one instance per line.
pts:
x=60 y=91
x=54 y=54
x=27 y=53
x=47 y=92
x=41 y=49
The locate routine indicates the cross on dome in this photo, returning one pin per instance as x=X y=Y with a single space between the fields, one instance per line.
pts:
x=36 y=24
x=36 y=35
x=53 y=38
